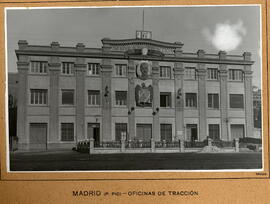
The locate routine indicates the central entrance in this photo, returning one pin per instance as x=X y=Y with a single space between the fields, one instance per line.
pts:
x=93 y=131
x=144 y=132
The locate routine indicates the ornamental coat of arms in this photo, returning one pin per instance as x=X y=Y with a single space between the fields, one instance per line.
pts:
x=144 y=95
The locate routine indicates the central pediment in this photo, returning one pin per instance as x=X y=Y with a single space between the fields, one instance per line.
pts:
x=138 y=44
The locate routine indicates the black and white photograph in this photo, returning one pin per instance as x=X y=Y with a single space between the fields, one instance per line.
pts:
x=149 y=88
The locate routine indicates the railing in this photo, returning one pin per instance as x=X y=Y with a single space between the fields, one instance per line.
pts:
x=195 y=144
x=92 y=146
x=167 y=144
x=109 y=144
x=221 y=143
x=137 y=144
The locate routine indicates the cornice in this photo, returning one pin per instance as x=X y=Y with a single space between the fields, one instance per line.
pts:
x=121 y=55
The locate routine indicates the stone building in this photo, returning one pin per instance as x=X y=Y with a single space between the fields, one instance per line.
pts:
x=136 y=89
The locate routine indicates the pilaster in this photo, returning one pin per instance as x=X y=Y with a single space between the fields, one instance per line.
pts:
x=23 y=68
x=80 y=70
x=106 y=95
x=54 y=72
x=156 y=101
x=202 y=102
x=131 y=100
x=223 y=75
x=179 y=97
x=248 y=97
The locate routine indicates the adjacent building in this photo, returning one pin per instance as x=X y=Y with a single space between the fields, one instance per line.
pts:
x=136 y=89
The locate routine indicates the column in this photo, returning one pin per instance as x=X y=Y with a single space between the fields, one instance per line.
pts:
x=80 y=70
x=106 y=69
x=202 y=101
x=248 y=96
x=23 y=68
x=54 y=73
x=179 y=97
x=131 y=100
x=223 y=75
x=156 y=101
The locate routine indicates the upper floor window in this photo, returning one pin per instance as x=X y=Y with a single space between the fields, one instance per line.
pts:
x=236 y=101
x=213 y=101
x=121 y=70
x=67 y=97
x=68 y=68
x=93 y=97
x=165 y=72
x=121 y=98
x=38 y=96
x=67 y=131
x=39 y=67
x=236 y=74
x=93 y=69
x=190 y=73
x=191 y=100
x=165 y=99
x=212 y=73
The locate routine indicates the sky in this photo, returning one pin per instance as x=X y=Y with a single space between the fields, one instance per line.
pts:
x=234 y=29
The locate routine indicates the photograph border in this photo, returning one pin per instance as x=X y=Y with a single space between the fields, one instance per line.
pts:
x=161 y=174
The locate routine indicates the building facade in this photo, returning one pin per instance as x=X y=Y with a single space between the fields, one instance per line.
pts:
x=136 y=89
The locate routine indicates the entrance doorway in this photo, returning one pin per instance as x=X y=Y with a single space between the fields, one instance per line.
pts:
x=144 y=132
x=192 y=133
x=93 y=131
x=38 y=136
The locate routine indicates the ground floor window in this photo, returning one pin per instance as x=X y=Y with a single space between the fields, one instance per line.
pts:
x=67 y=131
x=144 y=132
x=214 y=131
x=120 y=129
x=166 y=132
x=237 y=131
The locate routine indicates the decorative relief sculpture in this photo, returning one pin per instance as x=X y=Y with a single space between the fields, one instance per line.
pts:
x=143 y=70
x=144 y=95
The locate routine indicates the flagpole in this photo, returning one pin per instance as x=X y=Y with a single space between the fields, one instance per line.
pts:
x=143 y=20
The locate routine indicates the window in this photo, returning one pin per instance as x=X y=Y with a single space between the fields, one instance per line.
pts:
x=214 y=131
x=39 y=67
x=191 y=100
x=67 y=97
x=38 y=96
x=236 y=101
x=166 y=132
x=212 y=73
x=165 y=99
x=68 y=68
x=93 y=97
x=121 y=69
x=235 y=74
x=121 y=98
x=93 y=68
x=165 y=72
x=213 y=101
x=190 y=73
x=120 y=128
x=237 y=131
x=67 y=132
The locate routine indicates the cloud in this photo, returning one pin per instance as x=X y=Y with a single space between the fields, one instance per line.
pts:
x=226 y=36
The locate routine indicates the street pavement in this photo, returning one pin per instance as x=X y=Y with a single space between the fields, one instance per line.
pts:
x=74 y=161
